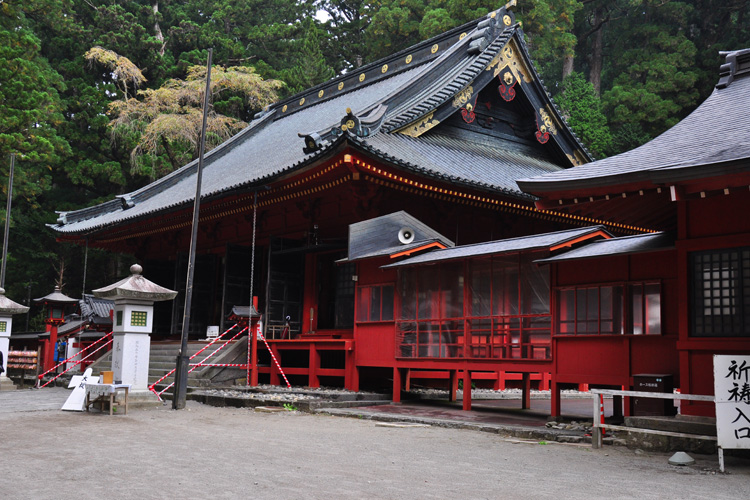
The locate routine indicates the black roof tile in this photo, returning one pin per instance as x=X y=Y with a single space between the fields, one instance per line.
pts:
x=715 y=132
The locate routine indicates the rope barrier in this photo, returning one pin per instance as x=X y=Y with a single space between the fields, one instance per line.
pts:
x=204 y=359
x=151 y=387
x=73 y=356
x=263 y=338
x=77 y=363
x=219 y=365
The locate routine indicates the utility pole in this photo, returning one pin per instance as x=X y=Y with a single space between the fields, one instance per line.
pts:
x=7 y=219
x=181 y=371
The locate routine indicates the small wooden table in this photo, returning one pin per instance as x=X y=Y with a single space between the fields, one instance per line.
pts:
x=101 y=391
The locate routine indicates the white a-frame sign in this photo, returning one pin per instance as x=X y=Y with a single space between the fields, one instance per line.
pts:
x=77 y=398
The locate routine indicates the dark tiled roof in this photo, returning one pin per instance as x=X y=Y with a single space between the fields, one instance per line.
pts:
x=383 y=96
x=717 y=131
x=512 y=245
x=95 y=307
x=460 y=161
x=617 y=246
x=379 y=236
x=73 y=326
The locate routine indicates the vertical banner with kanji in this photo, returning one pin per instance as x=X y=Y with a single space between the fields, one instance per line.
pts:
x=732 y=390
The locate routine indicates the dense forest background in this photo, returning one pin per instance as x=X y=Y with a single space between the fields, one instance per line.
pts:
x=99 y=97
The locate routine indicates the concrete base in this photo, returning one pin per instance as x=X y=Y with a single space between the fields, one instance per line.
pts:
x=7 y=384
x=141 y=399
x=686 y=425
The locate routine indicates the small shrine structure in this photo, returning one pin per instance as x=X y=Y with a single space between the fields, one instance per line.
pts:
x=56 y=304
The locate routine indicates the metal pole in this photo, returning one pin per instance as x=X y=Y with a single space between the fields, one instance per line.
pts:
x=7 y=219
x=181 y=373
x=85 y=266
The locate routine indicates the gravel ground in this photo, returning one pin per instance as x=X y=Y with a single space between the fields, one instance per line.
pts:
x=209 y=452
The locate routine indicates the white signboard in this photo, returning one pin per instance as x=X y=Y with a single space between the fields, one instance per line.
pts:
x=732 y=391
x=77 y=398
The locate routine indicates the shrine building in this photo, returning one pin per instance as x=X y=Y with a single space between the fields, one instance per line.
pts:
x=437 y=133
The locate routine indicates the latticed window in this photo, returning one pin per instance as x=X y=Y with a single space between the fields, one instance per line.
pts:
x=720 y=293
x=631 y=308
x=138 y=318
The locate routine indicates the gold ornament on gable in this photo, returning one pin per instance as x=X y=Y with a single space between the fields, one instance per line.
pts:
x=463 y=97
x=509 y=58
x=418 y=128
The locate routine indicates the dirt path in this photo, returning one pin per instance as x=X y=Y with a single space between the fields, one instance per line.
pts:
x=208 y=452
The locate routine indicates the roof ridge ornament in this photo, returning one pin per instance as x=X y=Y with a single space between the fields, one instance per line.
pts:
x=728 y=70
x=489 y=27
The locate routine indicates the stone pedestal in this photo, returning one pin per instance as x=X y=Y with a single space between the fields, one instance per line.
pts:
x=7 y=309
x=6 y=384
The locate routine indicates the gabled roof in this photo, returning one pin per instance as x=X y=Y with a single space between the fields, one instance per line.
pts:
x=380 y=236
x=391 y=109
x=546 y=241
x=616 y=246
x=713 y=140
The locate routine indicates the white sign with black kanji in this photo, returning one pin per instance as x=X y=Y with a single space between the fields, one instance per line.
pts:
x=732 y=392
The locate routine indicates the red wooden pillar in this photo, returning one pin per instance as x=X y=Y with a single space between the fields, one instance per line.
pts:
x=407 y=380
x=454 y=385
x=467 y=390
x=351 y=372
x=544 y=384
x=526 y=391
x=396 y=385
x=253 y=339
x=313 y=365
x=503 y=380
x=275 y=380
x=554 y=399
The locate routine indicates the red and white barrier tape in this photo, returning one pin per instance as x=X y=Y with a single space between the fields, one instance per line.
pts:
x=158 y=394
x=204 y=359
x=76 y=363
x=275 y=360
x=73 y=356
x=220 y=365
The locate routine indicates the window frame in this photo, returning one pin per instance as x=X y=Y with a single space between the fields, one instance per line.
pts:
x=627 y=322
x=734 y=323
x=368 y=290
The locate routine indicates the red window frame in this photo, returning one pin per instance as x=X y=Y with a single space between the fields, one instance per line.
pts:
x=370 y=314
x=635 y=308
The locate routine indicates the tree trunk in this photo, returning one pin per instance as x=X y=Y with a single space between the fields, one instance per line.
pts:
x=567 y=68
x=595 y=74
x=157 y=29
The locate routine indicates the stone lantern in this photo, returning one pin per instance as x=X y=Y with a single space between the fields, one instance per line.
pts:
x=7 y=309
x=134 y=299
x=56 y=303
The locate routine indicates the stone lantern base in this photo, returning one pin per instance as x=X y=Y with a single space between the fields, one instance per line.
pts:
x=6 y=384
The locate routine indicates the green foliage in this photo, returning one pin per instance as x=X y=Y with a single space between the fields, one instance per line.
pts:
x=583 y=110
x=30 y=107
x=654 y=75
x=311 y=67
x=290 y=407
x=165 y=123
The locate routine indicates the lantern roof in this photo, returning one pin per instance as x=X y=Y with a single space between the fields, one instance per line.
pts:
x=135 y=286
x=7 y=306
x=56 y=296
